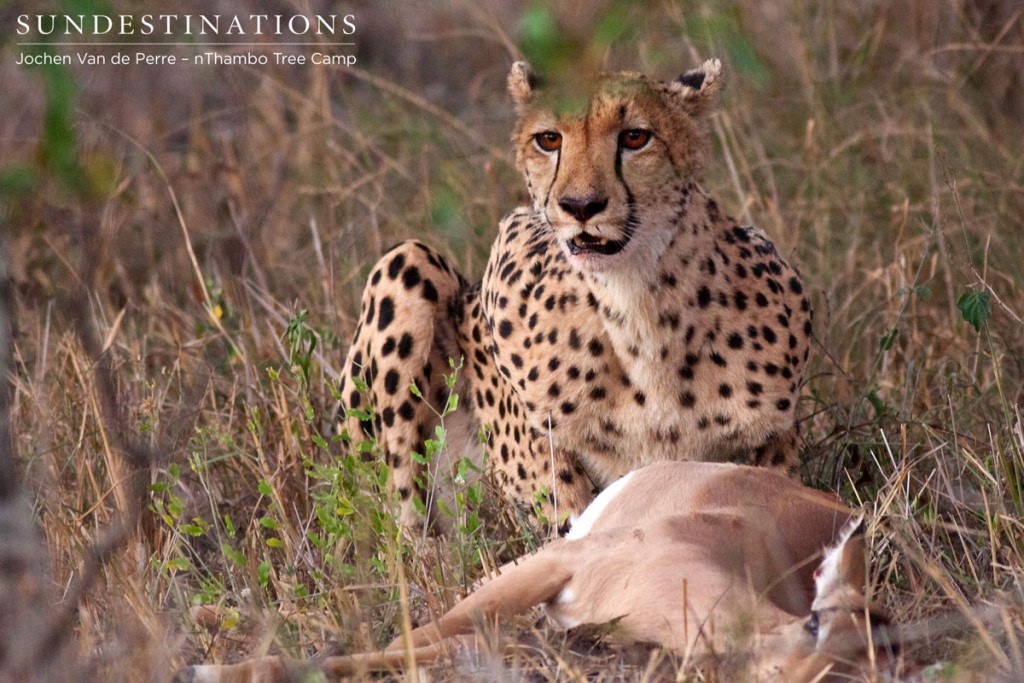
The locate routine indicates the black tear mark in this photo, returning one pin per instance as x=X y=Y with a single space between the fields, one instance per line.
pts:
x=693 y=79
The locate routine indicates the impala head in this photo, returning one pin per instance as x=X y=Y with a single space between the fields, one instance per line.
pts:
x=610 y=170
x=843 y=627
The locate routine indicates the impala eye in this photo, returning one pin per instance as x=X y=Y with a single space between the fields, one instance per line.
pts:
x=635 y=138
x=811 y=625
x=548 y=141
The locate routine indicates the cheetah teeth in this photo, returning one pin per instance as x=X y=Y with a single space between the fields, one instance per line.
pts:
x=601 y=242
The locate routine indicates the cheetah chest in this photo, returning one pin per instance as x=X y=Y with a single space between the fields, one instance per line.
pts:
x=621 y=387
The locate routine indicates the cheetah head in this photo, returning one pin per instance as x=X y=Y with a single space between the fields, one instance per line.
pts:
x=610 y=173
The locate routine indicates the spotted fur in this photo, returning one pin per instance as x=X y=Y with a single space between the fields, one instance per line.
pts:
x=622 y=319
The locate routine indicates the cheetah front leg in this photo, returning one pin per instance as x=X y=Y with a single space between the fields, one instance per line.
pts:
x=543 y=478
x=407 y=331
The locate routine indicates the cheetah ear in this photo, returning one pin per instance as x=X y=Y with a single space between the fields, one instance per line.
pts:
x=698 y=88
x=521 y=82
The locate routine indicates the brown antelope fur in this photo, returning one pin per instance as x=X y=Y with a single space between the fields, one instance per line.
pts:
x=622 y=319
x=703 y=559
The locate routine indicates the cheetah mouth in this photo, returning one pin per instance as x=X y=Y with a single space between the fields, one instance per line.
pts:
x=585 y=243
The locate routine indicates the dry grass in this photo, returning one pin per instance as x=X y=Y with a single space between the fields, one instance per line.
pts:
x=880 y=147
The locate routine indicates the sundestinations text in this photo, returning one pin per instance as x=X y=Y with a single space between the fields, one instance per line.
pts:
x=185 y=24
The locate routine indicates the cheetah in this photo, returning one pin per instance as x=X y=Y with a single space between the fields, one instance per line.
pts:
x=622 y=319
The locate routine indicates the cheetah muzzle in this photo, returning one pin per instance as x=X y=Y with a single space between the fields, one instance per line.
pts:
x=622 y=318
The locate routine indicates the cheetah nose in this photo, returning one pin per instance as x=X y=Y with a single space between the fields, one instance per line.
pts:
x=583 y=208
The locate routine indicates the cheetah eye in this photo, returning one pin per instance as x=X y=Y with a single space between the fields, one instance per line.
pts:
x=635 y=138
x=548 y=141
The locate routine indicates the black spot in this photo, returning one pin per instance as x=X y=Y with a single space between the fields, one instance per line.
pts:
x=768 y=334
x=389 y=416
x=504 y=453
x=406 y=411
x=740 y=299
x=771 y=369
x=669 y=320
x=703 y=297
x=573 y=372
x=386 y=313
x=505 y=329
x=389 y=347
x=391 y=382
x=741 y=270
x=533 y=374
x=639 y=398
x=596 y=347
x=761 y=300
x=692 y=79
x=685 y=372
x=783 y=404
x=429 y=291
x=553 y=364
x=717 y=359
x=754 y=388
x=724 y=390
x=411 y=277
x=742 y=234
x=405 y=345
x=575 y=342
x=375 y=278
x=687 y=399
x=554 y=391
x=517 y=360
x=568 y=407
x=521 y=471
x=795 y=286
x=735 y=341
x=565 y=476
x=598 y=393
x=396 y=265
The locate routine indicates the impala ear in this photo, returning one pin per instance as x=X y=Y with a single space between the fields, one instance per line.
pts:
x=843 y=564
x=698 y=88
x=521 y=82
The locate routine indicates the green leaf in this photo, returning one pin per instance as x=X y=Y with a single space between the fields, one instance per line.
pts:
x=180 y=564
x=975 y=308
x=263 y=573
x=264 y=488
x=237 y=558
x=886 y=341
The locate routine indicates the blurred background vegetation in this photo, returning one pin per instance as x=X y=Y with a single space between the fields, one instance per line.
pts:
x=213 y=227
